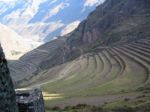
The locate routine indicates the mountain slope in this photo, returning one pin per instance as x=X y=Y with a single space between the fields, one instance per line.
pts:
x=100 y=29
x=106 y=55
x=111 y=71
x=113 y=22
x=13 y=44
x=37 y=61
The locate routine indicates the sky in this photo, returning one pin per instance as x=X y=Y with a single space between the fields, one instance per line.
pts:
x=30 y=18
x=39 y=21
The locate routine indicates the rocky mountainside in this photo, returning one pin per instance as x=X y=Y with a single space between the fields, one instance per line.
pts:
x=113 y=23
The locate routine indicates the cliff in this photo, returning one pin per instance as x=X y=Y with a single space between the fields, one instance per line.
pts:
x=114 y=22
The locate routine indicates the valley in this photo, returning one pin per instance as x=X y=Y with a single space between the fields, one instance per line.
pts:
x=104 y=75
x=101 y=66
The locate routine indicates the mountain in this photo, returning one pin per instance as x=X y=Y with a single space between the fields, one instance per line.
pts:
x=105 y=60
x=43 y=20
x=35 y=62
x=100 y=29
x=14 y=45
x=113 y=22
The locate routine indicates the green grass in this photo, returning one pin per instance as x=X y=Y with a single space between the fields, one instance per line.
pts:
x=107 y=72
x=115 y=105
x=104 y=80
x=127 y=104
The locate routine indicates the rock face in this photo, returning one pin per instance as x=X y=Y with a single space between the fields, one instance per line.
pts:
x=7 y=94
x=112 y=22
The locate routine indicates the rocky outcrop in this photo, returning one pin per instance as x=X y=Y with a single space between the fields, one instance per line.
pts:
x=113 y=22
x=7 y=93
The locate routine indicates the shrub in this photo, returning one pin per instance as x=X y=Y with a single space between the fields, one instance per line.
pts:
x=55 y=108
x=126 y=99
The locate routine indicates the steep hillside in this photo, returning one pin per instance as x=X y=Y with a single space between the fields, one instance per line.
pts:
x=37 y=61
x=115 y=21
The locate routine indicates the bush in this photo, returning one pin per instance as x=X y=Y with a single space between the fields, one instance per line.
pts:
x=124 y=109
x=55 y=108
x=126 y=99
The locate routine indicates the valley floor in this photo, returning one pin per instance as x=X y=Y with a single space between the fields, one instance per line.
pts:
x=135 y=102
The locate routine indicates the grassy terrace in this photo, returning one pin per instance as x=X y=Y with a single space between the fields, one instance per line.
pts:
x=96 y=76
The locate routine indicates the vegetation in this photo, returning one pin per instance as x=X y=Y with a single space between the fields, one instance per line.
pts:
x=105 y=62
x=111 y=71
x=125 y=105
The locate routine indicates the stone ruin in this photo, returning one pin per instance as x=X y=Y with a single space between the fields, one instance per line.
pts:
x=30 y=100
